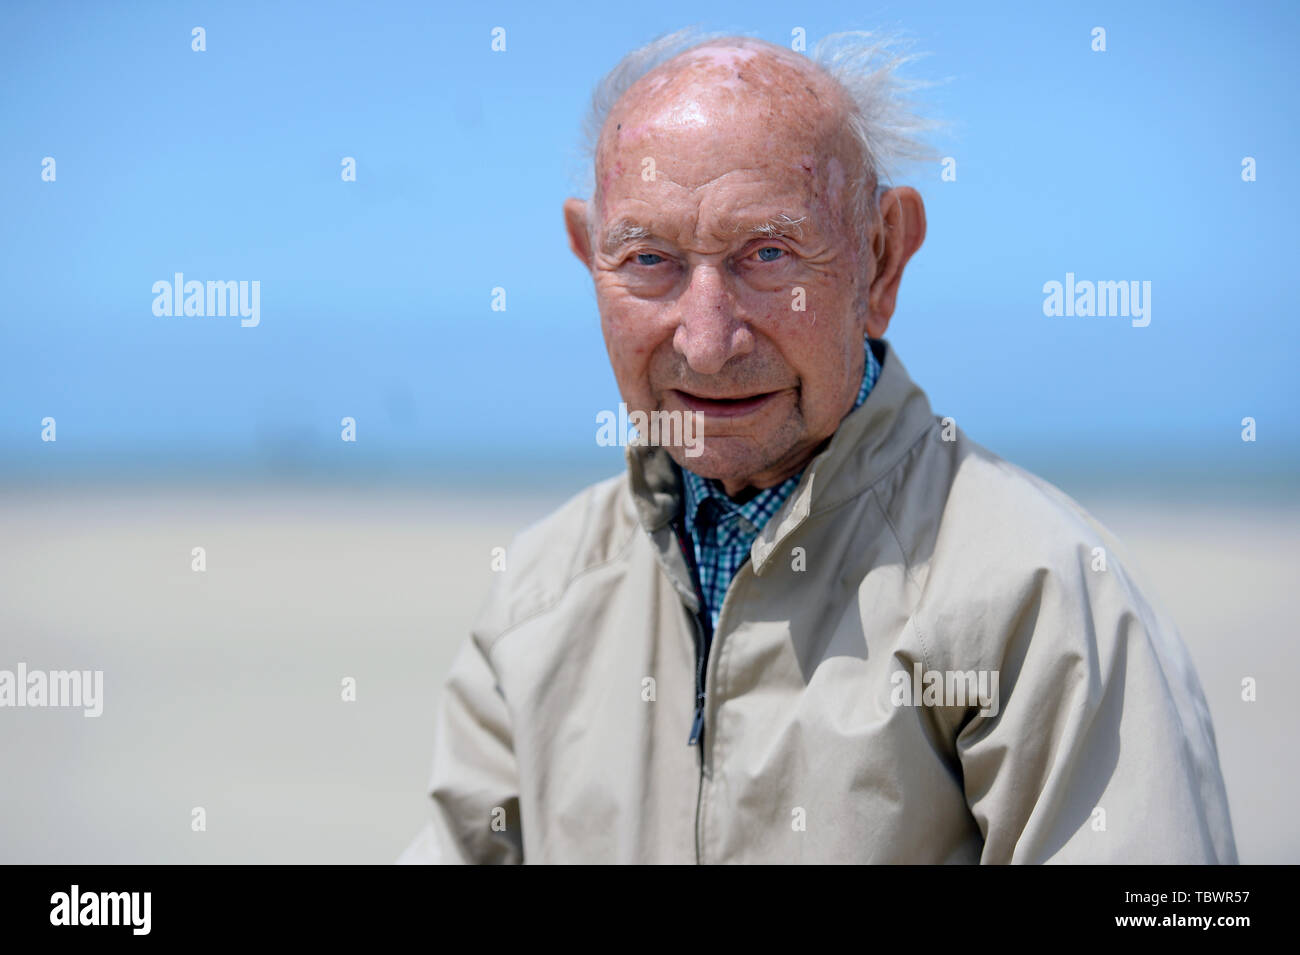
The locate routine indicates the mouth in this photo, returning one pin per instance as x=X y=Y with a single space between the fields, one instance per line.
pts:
x=725 y=406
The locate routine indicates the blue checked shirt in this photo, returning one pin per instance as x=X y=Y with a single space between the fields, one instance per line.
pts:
x=722 y=531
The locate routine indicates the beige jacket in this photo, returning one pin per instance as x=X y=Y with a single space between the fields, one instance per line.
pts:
x=907 y=550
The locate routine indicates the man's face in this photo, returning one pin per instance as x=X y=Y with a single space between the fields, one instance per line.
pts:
x=701 y=313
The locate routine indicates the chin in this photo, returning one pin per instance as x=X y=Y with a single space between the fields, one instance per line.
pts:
x=722 y=464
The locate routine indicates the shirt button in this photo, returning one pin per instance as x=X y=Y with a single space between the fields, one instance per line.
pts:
x=746 y=526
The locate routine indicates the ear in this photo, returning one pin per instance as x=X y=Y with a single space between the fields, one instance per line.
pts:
x=902 y=216
x=575 y=222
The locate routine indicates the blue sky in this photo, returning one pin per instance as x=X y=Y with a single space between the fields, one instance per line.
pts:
x=375 y=294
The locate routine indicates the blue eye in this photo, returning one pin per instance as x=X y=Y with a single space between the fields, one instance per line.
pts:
x=641 y=258
x=776 y=254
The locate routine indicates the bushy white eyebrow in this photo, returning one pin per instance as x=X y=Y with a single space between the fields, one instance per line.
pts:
x=621 y=233
x=779 y=225
x=625 y=231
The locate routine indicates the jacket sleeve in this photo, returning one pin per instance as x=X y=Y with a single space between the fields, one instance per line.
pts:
x=475 y=784
x=1102 y=750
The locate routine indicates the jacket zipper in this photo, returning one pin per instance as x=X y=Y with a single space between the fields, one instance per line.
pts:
x=697 y=725
x=701 y=664
x=701 y=661
x=701 y=647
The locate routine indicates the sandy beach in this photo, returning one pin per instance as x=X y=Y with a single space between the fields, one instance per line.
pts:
x=223 y=689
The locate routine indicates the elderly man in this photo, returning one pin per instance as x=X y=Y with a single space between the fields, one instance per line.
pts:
x=841 y=631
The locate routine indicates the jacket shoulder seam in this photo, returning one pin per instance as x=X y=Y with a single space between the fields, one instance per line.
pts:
x=559 y=597
x=911 y=576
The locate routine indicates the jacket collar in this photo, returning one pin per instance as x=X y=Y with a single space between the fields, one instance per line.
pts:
x=869 y=442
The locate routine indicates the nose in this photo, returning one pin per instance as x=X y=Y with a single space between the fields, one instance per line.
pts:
x=708 y=333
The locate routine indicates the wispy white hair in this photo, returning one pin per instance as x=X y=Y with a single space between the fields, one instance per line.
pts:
x=866 y=65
